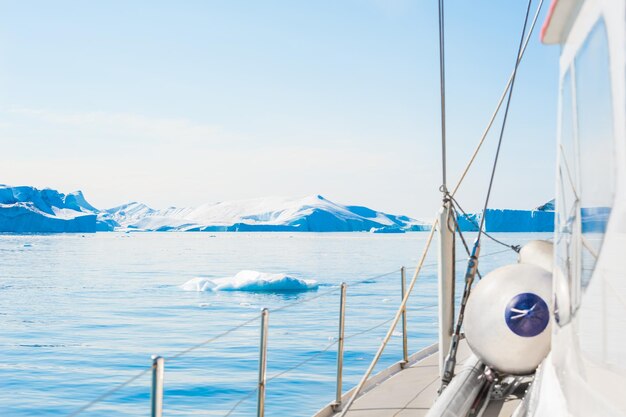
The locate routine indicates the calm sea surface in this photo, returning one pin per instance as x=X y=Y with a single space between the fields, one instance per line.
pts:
x=82 y=314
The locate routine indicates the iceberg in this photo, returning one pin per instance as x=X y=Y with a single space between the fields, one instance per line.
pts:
x=251 y=281
x=540 y=219
x=308 y=214
x=594 y=219
x=27 y=209
x=30 y=210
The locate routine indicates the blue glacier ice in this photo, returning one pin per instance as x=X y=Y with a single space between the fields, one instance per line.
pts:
x=540 y=219
x=30 y=210
x=595 y=219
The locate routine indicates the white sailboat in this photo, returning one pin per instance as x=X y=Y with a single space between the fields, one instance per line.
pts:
x=545 y=337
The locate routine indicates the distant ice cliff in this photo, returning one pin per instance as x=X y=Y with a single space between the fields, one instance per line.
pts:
x=540 y=219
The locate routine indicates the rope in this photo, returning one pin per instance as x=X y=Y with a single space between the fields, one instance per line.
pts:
x=504 y=120
x=515 y=248
x=394 y=324
x=110 y=392
x=497 y=109
x=442 y=86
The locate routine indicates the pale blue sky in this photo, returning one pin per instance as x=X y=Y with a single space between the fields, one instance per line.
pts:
x=186 y=102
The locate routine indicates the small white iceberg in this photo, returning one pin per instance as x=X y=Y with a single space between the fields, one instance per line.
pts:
x=252 y=281
x=387 y=229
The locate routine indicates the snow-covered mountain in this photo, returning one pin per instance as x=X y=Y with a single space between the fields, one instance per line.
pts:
x=308 y=214
x=30 y=210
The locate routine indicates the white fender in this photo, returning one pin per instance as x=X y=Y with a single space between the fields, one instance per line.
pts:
x=508 y=316
x=538 y=252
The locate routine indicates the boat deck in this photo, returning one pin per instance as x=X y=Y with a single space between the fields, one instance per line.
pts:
x=410 y=392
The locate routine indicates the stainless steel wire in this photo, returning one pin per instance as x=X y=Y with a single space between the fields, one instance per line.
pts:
x=442 y=86
x=110 y=392
x=504 y=120
x=498 y=106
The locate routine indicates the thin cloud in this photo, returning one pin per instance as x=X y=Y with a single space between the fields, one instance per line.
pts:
x=129 y=125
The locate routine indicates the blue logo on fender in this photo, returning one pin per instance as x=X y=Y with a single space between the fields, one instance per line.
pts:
x=527 y=315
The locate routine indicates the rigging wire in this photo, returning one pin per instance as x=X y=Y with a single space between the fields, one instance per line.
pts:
x=472 y=264
x=458 y=229
x=442 y=87
x=456 y=205
x=504 y=120
x=498 y=106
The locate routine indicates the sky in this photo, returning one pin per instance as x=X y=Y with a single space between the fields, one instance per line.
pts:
x=179 y=103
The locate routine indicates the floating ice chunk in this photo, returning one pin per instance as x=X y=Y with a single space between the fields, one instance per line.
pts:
x=387 y=229
x=252 y=281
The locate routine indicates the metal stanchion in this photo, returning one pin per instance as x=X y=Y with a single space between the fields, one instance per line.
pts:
x=342 y=320
x=405 y=346
x=158 y=370
x=262 y=363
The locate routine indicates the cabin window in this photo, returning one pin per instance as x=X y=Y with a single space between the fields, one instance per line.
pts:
x=567 y=205
x=585 y=170
x=594 y=116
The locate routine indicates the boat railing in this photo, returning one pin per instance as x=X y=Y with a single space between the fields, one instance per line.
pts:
x=157 y=367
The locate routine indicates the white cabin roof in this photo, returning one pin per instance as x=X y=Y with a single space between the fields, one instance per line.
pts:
x=559 y=20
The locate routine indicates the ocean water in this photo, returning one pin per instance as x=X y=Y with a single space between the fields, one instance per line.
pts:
x=83 y=314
